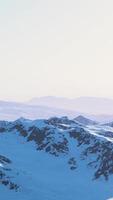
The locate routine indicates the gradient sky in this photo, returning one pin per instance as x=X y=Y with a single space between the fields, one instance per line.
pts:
x=56 y=47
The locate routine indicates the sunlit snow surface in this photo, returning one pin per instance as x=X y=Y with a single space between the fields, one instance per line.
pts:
x=97 y=129
x=1 y=165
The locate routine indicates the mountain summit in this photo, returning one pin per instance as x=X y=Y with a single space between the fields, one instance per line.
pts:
x=85 y=120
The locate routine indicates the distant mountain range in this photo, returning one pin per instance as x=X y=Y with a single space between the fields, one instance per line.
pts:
x=97 y=109
x=100 y=109
x=90 y=105
x=13 y=110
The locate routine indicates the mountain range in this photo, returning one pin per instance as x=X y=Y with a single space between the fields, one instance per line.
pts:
x=56 y=159
x=89 y=105
x=97 y=109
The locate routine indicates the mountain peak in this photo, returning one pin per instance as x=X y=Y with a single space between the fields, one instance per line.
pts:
x=83 y=120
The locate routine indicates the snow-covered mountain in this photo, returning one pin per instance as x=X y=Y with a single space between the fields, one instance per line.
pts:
x=85 y=121
x=55 y=159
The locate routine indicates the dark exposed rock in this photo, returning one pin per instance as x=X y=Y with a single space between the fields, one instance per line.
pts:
x=100 y=151
x=103 y=158
x=10 y=185
x=4 y=179
x=72 y=163
x=2 y=129
x=4 y=160
x=21 y=130
x=63 y=120
x=36 y=135
x=82 y=136
x=45 y=140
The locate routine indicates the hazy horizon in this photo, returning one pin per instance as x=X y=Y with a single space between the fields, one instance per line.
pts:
x=51 y=96
x=56 y=48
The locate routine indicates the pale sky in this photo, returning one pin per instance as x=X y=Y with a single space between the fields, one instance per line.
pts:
x=56 y=47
